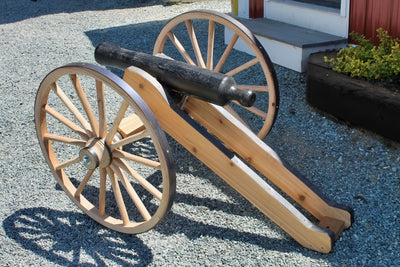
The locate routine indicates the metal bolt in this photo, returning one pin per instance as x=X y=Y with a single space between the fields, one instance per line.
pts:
x=86 y=160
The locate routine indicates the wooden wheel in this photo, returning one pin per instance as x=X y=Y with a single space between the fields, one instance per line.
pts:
x=84 y=115
x=198 y=37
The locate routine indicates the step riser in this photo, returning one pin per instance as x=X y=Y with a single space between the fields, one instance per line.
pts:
x=321 y=19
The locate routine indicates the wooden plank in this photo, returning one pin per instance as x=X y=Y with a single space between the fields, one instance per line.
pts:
x=130 y=125
x=337 y=226
x=229 y=130
x=232 y=170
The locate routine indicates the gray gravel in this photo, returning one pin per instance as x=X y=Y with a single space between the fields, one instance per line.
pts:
x=209 y=224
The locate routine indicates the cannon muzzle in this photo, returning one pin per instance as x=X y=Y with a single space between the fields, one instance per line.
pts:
x=204 y=84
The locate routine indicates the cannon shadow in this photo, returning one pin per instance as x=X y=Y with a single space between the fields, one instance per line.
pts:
x=13 y=11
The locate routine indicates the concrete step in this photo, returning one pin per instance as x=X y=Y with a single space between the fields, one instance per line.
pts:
x=289 y=45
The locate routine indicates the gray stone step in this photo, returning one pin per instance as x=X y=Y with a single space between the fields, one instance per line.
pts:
x=291 y=34
x=289 y=45
x=326 y=3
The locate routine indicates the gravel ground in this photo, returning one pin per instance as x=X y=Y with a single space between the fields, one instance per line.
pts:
x=209 y=224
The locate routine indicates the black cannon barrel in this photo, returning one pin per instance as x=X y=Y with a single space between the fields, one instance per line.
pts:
x=201 y=83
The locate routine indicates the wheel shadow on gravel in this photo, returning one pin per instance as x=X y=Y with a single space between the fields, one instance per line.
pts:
x=71 y=238
x=13 y=11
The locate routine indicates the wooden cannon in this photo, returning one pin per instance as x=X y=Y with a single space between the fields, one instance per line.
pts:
x=104 y=137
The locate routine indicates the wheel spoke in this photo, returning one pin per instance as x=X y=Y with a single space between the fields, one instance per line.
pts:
x=117 y=121
x=128 y=140
x=66 y=122
x=132 y=193
x=85 y=102
x=195 y=44
x=67 y=102
x=141 y=160
x=256 y=88
x=102 y=109
x=66 y=140
x=68 y=163
x=210 y=49
x=218 y=61
x=180 y=48
x=226 y=53
x=243 y=67
x=83 y=183
x=142 y=181
x=255 y=110
x=102 y=192
x=118 y=196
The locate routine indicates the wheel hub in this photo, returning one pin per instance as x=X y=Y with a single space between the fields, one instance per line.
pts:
x=95 y=154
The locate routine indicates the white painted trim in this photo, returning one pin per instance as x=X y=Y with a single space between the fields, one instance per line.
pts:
x=345 y=8
x=243 y=9
x=327 y=20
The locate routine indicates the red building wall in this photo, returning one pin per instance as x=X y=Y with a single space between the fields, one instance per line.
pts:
x=368 y=15
x=256 y=9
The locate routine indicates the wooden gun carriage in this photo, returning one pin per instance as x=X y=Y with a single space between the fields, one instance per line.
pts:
x=103 y=137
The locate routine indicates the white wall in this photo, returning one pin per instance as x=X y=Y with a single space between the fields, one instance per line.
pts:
x=243 y=8
x=313 y=17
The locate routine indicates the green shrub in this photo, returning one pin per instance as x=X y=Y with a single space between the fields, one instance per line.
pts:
x=366 y=60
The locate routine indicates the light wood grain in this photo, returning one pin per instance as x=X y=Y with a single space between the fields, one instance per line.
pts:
x=226 y=53
x=195 y=44
x=101 y=108
x=180 y=48
x=232 y=170
x=118 y=118
x=141 y=180
x=258 y=154
x=118 y=196
x=85 y=103
x=130 y=125
x=66 y=140
x=244 y=66
x=238 y=34
x=67 y=102
x=210 y=45
x=148 y=128
x=132 y=193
